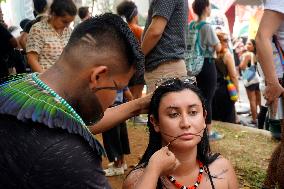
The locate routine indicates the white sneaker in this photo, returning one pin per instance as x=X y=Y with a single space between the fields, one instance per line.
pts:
x=124 y=165
x=114 y=171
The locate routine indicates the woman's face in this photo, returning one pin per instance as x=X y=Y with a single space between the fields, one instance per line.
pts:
x=61 y=22
x=225 y=41
x=208 y=10
x=249 y=46
x=181 y=114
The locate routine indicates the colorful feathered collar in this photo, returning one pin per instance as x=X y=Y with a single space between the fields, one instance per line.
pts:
x=23 y=97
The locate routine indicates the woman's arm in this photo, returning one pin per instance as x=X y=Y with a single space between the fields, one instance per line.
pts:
x=230 y=64
x=217 y=47
x=34 y=45
x=244 y=61
x=33 y=62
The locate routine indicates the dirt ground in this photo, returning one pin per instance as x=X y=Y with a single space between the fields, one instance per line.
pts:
x=138 y=140
x=248 y=152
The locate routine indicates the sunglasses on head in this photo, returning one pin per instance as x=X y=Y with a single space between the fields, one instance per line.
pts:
x=172 y=81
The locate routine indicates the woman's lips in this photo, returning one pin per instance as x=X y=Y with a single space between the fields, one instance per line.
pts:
x=186 y=136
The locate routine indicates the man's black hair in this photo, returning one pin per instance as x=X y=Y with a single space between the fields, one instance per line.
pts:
x=83 y=12
x=128 y=9
x=40 y=6
x=108 y=31
x=63 y=7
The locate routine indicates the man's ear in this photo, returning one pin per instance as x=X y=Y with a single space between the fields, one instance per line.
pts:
x=97 y=75
x=154 y=123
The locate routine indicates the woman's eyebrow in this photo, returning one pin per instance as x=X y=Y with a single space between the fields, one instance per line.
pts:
x=177 y=107
x=172 y=107
x=192 y=105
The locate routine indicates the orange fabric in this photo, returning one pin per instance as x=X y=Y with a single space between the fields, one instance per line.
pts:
x=137 y=30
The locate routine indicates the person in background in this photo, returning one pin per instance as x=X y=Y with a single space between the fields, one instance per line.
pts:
x=48 y=37
x=164 y=42
x=8 y=43
x=272 y=23
x=252 y=86
x=129 y=11
x=223 y=108
x=207 y=78
x=40 y=9
x=116 y=140
x=178 y=154
x=46 y=119
x=83 y=13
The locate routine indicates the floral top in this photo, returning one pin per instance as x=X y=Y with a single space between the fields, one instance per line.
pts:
x=47 y=43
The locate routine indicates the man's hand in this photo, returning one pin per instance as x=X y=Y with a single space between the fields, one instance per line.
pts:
x=272 y=92
x=144 y=103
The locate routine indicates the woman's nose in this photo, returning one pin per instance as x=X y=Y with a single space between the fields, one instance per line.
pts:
x=185 y=121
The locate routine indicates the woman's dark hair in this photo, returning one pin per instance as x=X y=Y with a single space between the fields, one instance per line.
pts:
x=155 y=141
x=63 y=7
x=128 y=9
x=199 y=6
x=254 y=45
x=223 y=37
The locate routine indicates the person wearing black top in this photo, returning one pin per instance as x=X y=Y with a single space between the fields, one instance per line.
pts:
x=8 y=43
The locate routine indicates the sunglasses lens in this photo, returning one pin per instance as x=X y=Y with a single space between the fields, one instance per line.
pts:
x=173 y=81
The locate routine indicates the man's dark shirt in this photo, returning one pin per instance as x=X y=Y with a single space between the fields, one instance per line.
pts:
x=35 y=156
x=5 y=49
x=5 y=37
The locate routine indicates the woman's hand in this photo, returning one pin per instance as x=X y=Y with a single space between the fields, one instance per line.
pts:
x=163 y=162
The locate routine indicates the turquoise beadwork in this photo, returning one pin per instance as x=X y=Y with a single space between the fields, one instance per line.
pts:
x=59 y=98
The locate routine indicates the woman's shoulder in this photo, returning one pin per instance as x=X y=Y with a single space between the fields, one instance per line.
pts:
x=133 y=177
x=222 y=173
x=207 y=27
x=219 y=160
x=40 y=26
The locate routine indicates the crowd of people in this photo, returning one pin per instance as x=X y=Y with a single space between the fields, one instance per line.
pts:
x=88 y=80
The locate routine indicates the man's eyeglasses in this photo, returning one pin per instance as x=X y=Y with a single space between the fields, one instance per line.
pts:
x=171 y=81
x=115 y=87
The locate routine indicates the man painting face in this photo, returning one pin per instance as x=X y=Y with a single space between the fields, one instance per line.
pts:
x=104 y=58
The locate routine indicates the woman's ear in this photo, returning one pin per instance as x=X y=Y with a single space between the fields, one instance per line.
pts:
x=154 y=123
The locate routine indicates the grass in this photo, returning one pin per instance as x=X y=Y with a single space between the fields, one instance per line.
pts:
x=249 y=153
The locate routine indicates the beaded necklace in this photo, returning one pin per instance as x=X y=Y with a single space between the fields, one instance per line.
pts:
x=59 y=98
x=199 y=178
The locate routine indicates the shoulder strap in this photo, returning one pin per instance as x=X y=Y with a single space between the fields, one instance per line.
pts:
x=200 y=24
x=192 y=24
